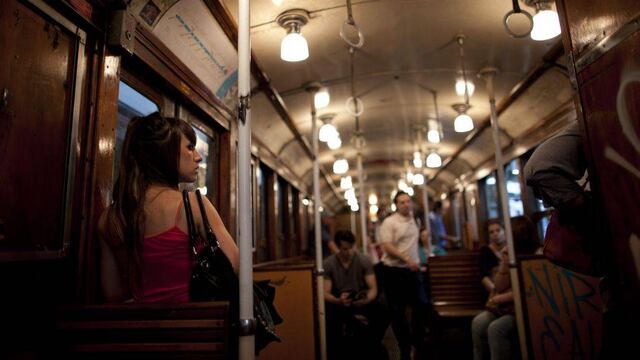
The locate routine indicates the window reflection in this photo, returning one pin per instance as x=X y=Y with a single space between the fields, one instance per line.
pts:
x=511 y=174
x=131 y=103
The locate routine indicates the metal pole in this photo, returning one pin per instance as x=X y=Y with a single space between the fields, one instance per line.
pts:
x=363 y=204
x=352 y=217
x=318 y=232
x=246 y=341
x=425 y=201
x=488 y=75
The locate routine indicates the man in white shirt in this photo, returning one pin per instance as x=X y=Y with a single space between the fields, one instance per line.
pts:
x=399 y=238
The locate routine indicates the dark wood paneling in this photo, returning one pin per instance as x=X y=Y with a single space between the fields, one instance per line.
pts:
x=591 y=21
x=34 y=127
x=618 y=185
x=272 y=216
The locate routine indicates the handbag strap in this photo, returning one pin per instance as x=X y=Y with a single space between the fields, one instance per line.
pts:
x=190 y=222
x=210 y=235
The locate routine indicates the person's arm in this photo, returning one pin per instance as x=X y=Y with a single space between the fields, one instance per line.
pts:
x=488 y=284
x=372 y=290
x=333 y=247
x=504 y=298
x=227 y=244
x=503 y=279
x=111 y=283
x=394 y=252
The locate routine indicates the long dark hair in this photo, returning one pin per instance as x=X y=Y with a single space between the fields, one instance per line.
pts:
x=150 y=155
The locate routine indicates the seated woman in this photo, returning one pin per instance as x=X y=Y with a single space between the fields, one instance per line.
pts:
x=490 y=254
x=494 y=330
x=145 y=250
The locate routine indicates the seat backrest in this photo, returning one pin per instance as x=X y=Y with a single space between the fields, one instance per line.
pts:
x=455 y=281
x=146 y=331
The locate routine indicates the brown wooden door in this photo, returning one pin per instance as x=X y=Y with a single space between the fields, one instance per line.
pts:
x=603 y=40
x=37 y=75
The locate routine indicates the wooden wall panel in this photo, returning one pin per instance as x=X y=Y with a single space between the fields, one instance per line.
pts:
x=591 y=21
x=34 y=127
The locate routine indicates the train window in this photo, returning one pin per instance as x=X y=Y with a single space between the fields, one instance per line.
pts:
x=491 y=196
x=131 y=103
x=205 y=182
x=262 y=244
x=512 y=178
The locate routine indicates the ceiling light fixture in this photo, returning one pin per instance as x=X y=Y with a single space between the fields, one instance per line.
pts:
x=463 y=122
x=546 y=24
x=334 y=143
x=345 y=183
x=340 y=166
x=434 y=132
x=294 y=46
x=327 y=131
x=460 y=87
x=434 y=160
x=418 y=179
x=322 y=98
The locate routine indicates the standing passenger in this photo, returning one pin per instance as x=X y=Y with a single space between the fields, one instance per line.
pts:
x=399 y=239
x=145 y=250
x=441 y=239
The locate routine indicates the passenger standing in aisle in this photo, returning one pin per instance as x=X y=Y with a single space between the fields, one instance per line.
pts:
x=399 y=239
x=145 y=250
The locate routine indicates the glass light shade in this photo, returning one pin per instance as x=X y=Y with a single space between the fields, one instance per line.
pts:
x=515 y=172
x=345 y=183
x=305 y=202
x=350 y=194
x=546 y=25
x=393 y=207
x=355 y=207
x=434 y=160
x=373 y=199
x=327 y=132
x=352 y=201
x=409 y=191
x=340 y=166
x=433 y=136
x=491 y=181
x=294 y=48
x=402 y=185
x=418 y=179
x=417 y=162
x=409 y=176
x=460 y=87
x=373 y=209
x=463 y=123
x=334 y=143
x=321 y=99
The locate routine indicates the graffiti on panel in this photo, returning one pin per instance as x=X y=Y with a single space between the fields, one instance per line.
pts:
x=564 y=311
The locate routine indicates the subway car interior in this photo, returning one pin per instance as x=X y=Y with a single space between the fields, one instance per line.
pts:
x=398 y=179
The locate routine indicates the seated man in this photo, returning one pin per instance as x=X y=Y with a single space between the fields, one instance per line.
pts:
x=354 y=317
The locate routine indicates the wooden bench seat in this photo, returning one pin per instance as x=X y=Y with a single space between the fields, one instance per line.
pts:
x=454 y=282
x=146 y=331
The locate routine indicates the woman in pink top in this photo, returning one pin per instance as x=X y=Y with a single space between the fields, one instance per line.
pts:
x=145 y=250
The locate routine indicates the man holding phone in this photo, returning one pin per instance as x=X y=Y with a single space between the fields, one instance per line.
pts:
x=354 y=317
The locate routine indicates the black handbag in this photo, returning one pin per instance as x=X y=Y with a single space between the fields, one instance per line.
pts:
x=213 y=279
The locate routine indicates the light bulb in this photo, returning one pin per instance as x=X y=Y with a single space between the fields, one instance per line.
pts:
x=321 y=99
x=409 y=191
x=491 y=181
x=460 y=87
x=515 y=172
x=340 y=166
x=393 y=207
x=345 y=183
x=305 y=202
x=350 y=194
x=373 y=209
x=433 y=136
x=409 y=176
x=418 y=179
x=327 y=132
x=294 y=47
x=417 y=162
x=373 y=199
x=546 y=25
x=434 y=160
x=355 y=207
x=463 y=123
x=334 y=143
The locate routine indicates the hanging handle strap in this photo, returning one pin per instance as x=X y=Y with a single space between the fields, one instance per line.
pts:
x=210 y=235
x=190 y=223
x=508 y=16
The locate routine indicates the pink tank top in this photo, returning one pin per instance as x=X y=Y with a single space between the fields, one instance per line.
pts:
x=166 y=266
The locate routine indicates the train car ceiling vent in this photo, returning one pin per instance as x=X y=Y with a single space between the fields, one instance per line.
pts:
x=294 y=46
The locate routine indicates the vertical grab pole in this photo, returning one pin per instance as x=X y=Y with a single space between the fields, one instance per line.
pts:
x=246 y=342
x=363 y=204
x=317 y=230
x=488 y=74
x=425 y=201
